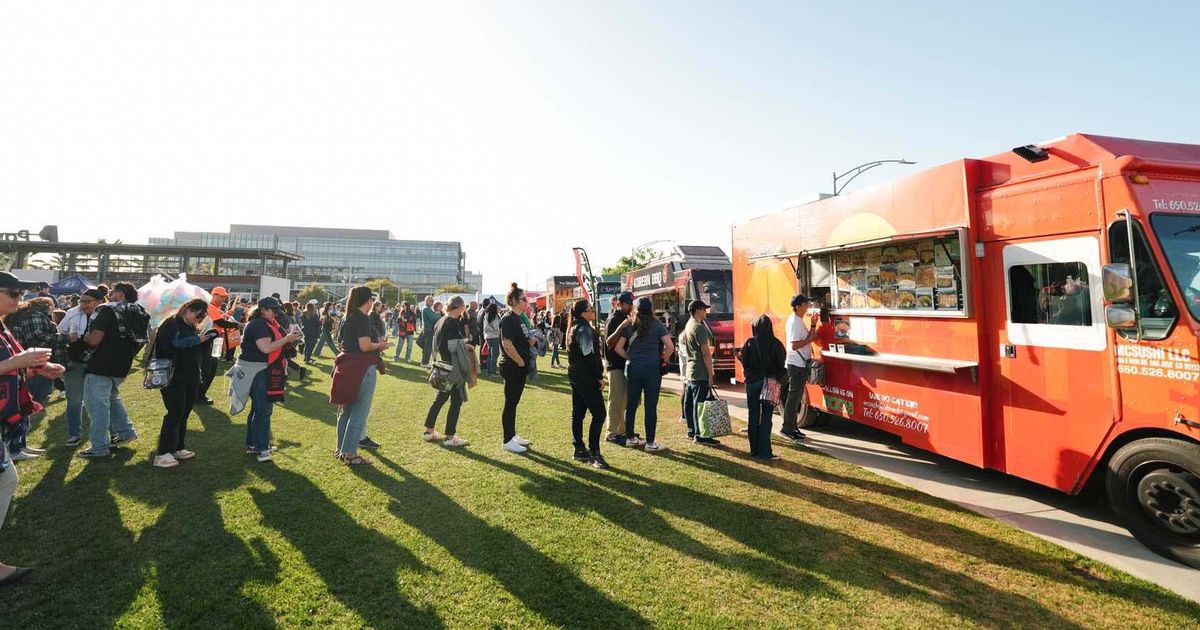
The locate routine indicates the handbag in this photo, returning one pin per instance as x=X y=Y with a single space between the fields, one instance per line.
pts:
x=772 y=389
x=158 y=371
x=713 y=417
x=816 y=372
x=439 y=371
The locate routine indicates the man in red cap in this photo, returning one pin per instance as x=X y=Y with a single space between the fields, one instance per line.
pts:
x=223 y=325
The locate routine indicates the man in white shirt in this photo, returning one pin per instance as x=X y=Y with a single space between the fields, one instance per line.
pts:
x=799 y=351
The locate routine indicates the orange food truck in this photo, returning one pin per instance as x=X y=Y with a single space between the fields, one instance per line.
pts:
x=1035 y=312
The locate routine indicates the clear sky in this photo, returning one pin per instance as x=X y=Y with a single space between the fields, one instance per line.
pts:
x=523 y=128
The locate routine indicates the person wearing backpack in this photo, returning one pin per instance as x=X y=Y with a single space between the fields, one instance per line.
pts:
x=762 y=358
x=116 y=335
x=697 y=341
x=644 y=345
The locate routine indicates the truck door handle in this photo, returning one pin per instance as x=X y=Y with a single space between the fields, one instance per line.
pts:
x=1008 y=351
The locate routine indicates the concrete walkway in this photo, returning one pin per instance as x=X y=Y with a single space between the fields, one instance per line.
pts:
x=1081 y=524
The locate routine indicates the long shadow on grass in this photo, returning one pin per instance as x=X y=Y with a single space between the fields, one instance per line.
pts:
x=938 y=533
x=835 y=554
x=543 y=585
x=572 y=494
x=357 y=564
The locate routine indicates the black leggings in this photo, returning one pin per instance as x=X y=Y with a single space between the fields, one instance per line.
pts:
x=455 y=398
x=514 y=386
x=585 y=398
x=178 y=398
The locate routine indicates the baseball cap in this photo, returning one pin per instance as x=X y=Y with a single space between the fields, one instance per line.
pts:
x=696 y=305
x=800 y=299
x=313 y=302
x=220 y=291
x=9 y=281
x=625 y=298
x=269 y=302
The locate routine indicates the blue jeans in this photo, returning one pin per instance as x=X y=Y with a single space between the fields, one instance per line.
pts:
x=102 y=399
x=759 y=424
x=73 y=378
x=404 y=342
x=352 y=419
x=323 y=341
x=694 y=393
x=639 y=380
x=493 y=355
x=40 y=388
x=258 y=423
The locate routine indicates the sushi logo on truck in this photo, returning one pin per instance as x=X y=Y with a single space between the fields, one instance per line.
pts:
x=1167 y=363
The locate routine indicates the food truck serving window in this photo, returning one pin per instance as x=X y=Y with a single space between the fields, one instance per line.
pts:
x=1050 y=293
x=921 y=276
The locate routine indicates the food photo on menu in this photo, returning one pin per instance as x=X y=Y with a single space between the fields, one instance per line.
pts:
x=924 y=298
x=906 y=299
x=906 y=277
x=925 y=251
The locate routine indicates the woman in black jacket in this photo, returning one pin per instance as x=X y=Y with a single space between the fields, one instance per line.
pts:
x=762 y=357
x=586 y=374
x=178 y=340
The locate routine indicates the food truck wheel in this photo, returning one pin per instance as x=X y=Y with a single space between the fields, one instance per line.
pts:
x=1153 y=484
x=808 y=415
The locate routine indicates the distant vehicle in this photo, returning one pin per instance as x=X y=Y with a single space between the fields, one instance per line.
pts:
x=1035 y=312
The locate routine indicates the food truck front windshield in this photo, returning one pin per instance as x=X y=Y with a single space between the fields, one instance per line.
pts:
x=1179 y=236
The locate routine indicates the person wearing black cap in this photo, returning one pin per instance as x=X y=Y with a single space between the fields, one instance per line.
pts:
x=645 y=344
x=116 y=335
x=258 y=375
x=586 y=374
x=697 y=340
x=799 y=351
x=613 y=331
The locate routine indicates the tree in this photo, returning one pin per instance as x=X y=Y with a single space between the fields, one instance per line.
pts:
x=384 y=288
x=313 y=291
x=407 y=295
x=637 y=260
x=454 y=288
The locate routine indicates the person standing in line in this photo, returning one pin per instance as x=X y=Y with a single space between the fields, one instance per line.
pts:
x=429 y=318
x=33 y=327
x=259 y=375
x=762 y=357
x=226 y=328
x=531 y=335
x=378 y=326
x=327 y=322
x=491 y=336
x=16 y=365
x=75 y=325
x=407 y=326
x=799 y=352
x=474 y=332
x=585 y=371
x=555 y=337
x=179 y=341
x=622 y=306
x=310 y=325
x=117 y=334
x=514 y=366
x=288 y=319
x=355 y=374
x=453 y=348
x=645 y=343
x=697 y=340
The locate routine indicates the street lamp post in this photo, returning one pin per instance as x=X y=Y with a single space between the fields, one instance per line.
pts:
x=859 y=170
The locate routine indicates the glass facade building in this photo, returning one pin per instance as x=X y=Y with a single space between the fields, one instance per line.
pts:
x=335 y=257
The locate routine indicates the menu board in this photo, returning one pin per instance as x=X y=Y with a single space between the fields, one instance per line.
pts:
x=916 y=275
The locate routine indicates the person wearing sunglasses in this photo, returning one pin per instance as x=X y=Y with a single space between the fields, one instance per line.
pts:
x=585 y=371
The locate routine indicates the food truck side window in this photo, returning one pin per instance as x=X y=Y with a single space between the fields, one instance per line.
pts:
x=915 y=275
x=1158 y=310
x=1050 y=293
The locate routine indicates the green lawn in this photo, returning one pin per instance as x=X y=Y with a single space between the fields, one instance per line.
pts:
x=432 y=537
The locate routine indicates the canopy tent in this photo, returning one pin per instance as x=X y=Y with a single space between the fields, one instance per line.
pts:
x=71 y=285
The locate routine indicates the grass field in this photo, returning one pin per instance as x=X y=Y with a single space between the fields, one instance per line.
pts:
x=433 y=537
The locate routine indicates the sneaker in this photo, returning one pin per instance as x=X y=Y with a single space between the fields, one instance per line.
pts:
x=34 y=451
x=513 y=447
x=581 y=455
x=166 y=460
x=264 y=456
x=183 y=454
x=368 y=443
x=74 y=441
x=704 y=440
x=122 y=441
x=633 y=441
x=431 y=436
x=615 y=439
x=454 y=440
x=598 y=463
x=522 y=441
x=89 y=453
x=22 y=456
x=653 y=447
x=206 y=401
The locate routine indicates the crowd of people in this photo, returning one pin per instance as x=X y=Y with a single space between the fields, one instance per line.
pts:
x=88 y=350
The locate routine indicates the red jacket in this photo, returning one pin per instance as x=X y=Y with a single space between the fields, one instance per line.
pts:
x=348 y=371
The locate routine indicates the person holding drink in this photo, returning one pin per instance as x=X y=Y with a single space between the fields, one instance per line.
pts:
x=75 y=325
x=799 y=353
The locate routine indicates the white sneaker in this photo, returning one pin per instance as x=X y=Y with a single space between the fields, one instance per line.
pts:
x=165 y=461
x=653 y=447
x=633 y=441
x=183 y=453
x=34 y=451
x=522 y=441
x=513 y=447
x=454 y=440
x=265 y=456
x=431 y=436
x=24 y=455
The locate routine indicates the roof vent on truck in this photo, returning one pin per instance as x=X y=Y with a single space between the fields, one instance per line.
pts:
x=1032 y=153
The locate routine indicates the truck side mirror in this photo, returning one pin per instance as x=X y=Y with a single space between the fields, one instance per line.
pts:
x=1120 y=316
x=1117 y=279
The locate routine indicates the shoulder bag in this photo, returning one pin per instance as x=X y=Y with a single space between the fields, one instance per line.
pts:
x=439 y=371
x=772 y=389
x=158 y=371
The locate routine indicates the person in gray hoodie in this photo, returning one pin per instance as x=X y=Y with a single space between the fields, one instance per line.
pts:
x=451 y=347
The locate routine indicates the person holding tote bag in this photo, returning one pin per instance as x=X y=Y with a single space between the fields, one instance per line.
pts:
x=762 y=358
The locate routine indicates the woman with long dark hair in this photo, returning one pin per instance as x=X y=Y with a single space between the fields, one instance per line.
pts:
x=178 y=341
x=514 y=366
x=355 y=373
x=491 y=336
x=259 y=375
x=644 y=345
x=585 y=371
x=762 y=358
x=451 y=346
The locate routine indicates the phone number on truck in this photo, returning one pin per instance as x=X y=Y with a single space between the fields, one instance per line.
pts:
x=1179 y=375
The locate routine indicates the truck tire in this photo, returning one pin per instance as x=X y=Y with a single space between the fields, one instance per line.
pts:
x=809 y=416
x=1153 y=485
